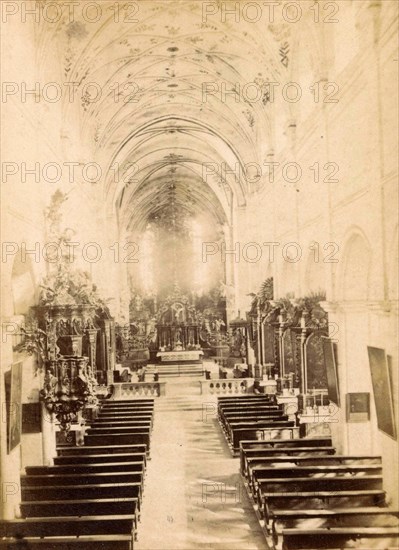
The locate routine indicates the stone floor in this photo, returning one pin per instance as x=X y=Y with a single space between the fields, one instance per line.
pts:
x=194 y=497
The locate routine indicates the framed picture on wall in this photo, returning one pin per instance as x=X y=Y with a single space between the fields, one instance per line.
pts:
x=330 y=362
x=382 y=389
x=357 y=407
x=13 y=387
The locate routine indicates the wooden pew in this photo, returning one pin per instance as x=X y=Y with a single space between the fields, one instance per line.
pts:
x=255 y=445
x=282 y=454
x=122 y=421
x=226 y=416
x=127 y=409
x=100 y=491
x=82 y=507
x=334 y=517
x=231 y=407
x=332 y=538
x=246 y=398
x=316 y=485
x=126 y=412
x=100 y=458
x=80 y=479
x=247 y=416
x=318 y=499
x=91 y=468
x=260 y=475
x=85 y=542
x=226 y=424
x=310 y=460
x=136 y=435
x=68 y=526
x=283 y=447
x=244 y=422
x=238 y=432
x=238 y=408
x=132 y=404
x=128 y=428
x=102 y=449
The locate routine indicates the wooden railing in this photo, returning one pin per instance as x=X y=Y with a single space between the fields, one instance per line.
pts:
x=131 y=390
x=232 y=386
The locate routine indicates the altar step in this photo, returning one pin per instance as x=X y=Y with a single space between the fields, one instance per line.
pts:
x=176 y=370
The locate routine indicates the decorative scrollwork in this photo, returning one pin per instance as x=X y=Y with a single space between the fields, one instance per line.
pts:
x=68 y=387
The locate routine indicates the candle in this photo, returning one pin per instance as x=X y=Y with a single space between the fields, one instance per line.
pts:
x=303 y=322
x=280 y=319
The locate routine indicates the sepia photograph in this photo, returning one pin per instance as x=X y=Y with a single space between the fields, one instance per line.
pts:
x=199 y=275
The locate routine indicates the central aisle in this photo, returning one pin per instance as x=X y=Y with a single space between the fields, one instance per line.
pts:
x=193 y=497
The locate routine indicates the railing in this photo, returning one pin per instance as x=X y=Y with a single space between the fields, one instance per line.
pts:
x=233 y=386
x=130 y=390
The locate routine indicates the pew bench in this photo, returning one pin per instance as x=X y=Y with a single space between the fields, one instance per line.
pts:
x=92 y=468
x=246 y=399
x=127 y=405
x=143 y=424
x=226 y=419
x=272 y=431
x=283 y=454
x=122 y=421
x=118 y=490
x=319 y=484
x=139 y=435
x=333 y=517
x=261 y=474
x=248 y=406
x=81 y=507
x=124 y=416
x=86 y=542
x=310 y=478
x=228 y=409
x=68 y=526
x=80 y=479
x=283 y=447
x=319 y=500
x=255 y=413
x=127 y=401
x=310 y=460
x=247 y=422
x=231 y=407
x=254 y=444
x=103 y=449
x=341 y=537
x=100 y=458
x=132 y=404
x=149 y=409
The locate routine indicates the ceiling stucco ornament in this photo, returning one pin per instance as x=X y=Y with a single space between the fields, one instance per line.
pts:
x=163 y=101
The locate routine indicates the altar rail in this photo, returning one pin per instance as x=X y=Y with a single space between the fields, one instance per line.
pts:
x=131 y=390
x=233 y=386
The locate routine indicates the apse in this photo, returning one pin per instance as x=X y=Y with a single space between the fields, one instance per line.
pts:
x=171 y=244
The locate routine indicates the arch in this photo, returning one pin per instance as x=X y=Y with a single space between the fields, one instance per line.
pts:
x=315 y=274
x=354 y=275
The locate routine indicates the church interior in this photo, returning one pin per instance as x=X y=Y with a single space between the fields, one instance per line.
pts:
x=199 y=307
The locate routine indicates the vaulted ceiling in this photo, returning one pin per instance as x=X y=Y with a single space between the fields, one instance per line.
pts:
x=153 y=121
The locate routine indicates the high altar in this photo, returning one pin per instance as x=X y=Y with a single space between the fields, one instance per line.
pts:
x=178 y=331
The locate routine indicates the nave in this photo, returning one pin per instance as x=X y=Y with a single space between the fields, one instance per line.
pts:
x=164 y=473
x=199 y=202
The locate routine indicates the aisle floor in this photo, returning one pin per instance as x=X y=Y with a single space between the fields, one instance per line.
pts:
x=194 y=497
